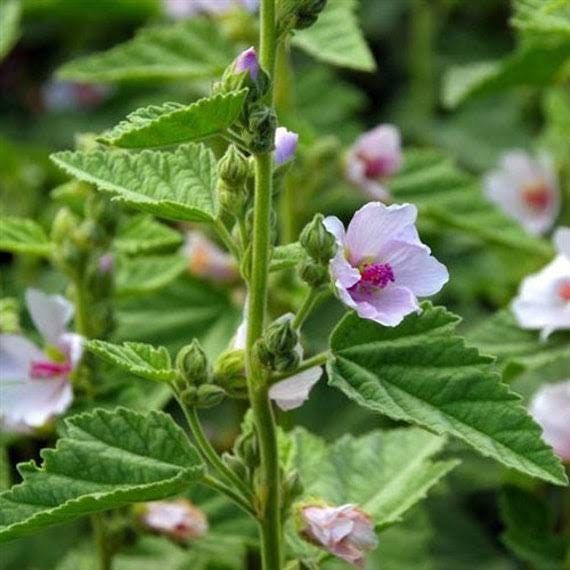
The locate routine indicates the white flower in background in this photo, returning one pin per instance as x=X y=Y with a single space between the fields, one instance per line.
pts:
x=180 y=9
x=525 y=189
x=543 y=301
x=373 y=158
x=346 y=531
x=292 y=392
x=550 y=407
x=180 y=520
x=207 y=261
x=34 y=383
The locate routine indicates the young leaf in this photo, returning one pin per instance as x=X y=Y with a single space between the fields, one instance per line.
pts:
x=105 y=461
x=179 y=185
x=137 y=358
x=21 y=235
x=384 y=472
x=143 y=234
x=336 y=38
x=424 y=373
x=195 y=49
x=10 y=11
x=173 y=123
x=149 y=273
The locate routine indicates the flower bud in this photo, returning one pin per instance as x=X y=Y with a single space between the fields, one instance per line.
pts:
x=209 y=395
x=314 y=273
x=346 y=531
x=262 y=123
x=299 y=14
x=179 y=520
x=247 y=61
x=247 y=448
x=63 y=225
x=285 y=145
x=233 y=167
x=317 y=241
x=229 y=373
x=292 y=488
x=285 y=362
x=192 y=364
x=236 y=464
x=280 y=336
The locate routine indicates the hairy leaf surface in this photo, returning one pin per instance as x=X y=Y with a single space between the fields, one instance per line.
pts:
x=22 y=235
x=148 y=273
x=143 y=234
x=105 y=460
x=179 y=185
x=423 y=372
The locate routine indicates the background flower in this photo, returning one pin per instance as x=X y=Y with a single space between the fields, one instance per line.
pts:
x=179 y=520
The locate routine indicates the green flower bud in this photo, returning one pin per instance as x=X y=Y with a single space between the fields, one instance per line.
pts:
x=63 y=226
x=247 y=448
x=192 y=364
x=209 y=395
x=229 y=373
x=314 y=273
x=262 y=123
x=299 y=14
x=286 y=362
x=292 y=488
x=237 y=465
x=318 y=242
x=280 y=337
x=233 y=167
x=189 y=396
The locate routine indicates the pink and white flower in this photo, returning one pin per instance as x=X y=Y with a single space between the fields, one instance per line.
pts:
x=346 y=531
x=180 y=520
x=181 y=9
x=292 y=392
x=374 y=157
x=285 y=145
x=525 y=189
x=543 y=301
x=207 y=261
x=34 y=383
x=61 y=96
x=550 y=407
x=247 y=61
x=381 y=267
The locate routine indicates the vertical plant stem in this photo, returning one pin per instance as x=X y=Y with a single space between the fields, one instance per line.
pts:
x=269 y=490
x=305 y=309
x=104 y=555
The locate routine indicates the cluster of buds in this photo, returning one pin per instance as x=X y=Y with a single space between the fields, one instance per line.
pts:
x=229 y=373
x=320 y=246
x=233 y=170
x=245 y=457
x=194 y=384
x=298 y=14
x=278 y=349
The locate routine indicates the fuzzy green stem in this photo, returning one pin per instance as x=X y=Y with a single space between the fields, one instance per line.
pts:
x=305 y=309
x=317 y=360
x=227 y=238
x=104 y=555
x=209 y=453
x=81 y=308
x=230 y=493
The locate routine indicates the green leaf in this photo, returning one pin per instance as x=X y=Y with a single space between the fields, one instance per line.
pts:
x=144 y=274
x=424 y=373
x=336 y=38
x=137 y=358
x=195 y=49
x=10 y=12
x=179 y=185
x=385 y=473
x=174 y=123
x=542 y=17
x=105 y=461
x=530 y=529
x=518 y=350
x=534 y=64
x=287 y=256
x=22 y=235
x=453 y=200
x=143 y=234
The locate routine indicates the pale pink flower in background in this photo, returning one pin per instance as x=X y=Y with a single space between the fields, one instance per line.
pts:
x=381 y=266
x=285 y=145
x=207 y=261
x=60 y=96
x=292 y=392
x=345 y=531
x=247 y=61
x=180 y=9
x=180 y=520
x=34 y=383
x=374 y=157
x=106 y=263
x=543 y=301
x=550 y=407
x=525 y=189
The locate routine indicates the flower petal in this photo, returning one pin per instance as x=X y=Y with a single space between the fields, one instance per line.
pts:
x=292 y=392
x=562 y=241
x=50 y=313
x=388 y=306
x=334 y=226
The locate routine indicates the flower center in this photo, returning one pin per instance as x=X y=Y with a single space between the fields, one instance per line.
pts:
x=537 y=196
x=375 y=167
x=376 y=275
x=46 y=369
x=564 y=291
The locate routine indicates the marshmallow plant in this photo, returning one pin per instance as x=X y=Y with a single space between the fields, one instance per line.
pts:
x=225 y=171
